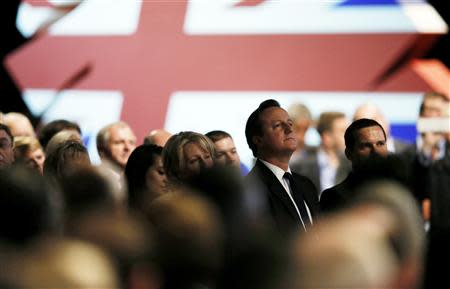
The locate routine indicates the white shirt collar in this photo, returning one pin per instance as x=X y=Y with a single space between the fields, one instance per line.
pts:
x=277 y=171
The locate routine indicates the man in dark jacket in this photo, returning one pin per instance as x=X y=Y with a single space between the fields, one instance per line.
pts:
x=290 y=199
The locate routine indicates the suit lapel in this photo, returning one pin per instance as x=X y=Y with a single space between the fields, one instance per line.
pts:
x=275 y=188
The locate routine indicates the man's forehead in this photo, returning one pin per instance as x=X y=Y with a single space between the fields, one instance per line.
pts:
x=226 y=142
x=364 y=132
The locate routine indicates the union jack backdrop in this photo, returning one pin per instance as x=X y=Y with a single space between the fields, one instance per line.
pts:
x=206 y=64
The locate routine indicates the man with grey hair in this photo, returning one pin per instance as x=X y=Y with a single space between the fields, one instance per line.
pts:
x=115 y=142
x=301 y=120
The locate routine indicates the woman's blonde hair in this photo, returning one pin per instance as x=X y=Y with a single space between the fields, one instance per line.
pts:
x=173 y=153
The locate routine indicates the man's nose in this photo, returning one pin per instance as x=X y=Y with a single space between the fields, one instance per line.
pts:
x=288 y=128
x=127 y=146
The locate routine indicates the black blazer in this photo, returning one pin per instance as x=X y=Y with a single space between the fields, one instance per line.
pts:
x=278 y=204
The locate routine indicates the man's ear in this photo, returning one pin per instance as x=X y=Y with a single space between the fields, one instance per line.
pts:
x=257 y=140
x=348 y=154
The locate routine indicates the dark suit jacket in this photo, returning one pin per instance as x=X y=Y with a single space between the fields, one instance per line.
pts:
x=278 y=204
x=337 y=197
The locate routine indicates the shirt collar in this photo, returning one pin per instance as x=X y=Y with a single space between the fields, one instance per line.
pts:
x=277 y=171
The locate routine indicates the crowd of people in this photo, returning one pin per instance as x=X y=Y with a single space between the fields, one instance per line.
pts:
x=360 y=210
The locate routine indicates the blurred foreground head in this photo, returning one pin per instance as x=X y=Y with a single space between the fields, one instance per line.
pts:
x=60 y=263
x=376 y=243
x=29 y=207
x=189 y=240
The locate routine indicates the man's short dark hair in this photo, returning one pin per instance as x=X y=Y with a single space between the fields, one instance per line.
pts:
x=216 y=135
x=253 y=126
x=53 y=127
x=8 y=132
x=350 y=133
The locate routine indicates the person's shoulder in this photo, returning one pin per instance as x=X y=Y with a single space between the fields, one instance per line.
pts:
x=328 y=192
x=252 y=175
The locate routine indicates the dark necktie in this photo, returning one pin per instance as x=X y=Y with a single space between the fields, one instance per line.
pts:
x=299 y=200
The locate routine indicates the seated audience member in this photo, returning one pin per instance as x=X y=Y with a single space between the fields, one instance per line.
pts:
x=377 y=242
x=53 y=127
x=189 y=240
x=60 y=138
x=371 y=111
x=128 y=239
x=145 y=176
x=326 y=166
x=185 y=154
x=291 y=199
x=65 y=158
x=226 y=152
x=363 y=138
x=115 y=143
x=62 y=263
x=157 y=137
x=19 y=124
x=29 y=207
x=223 y=186
x=302 y=120
x=86 y=191
x=28 y=150
x=6 y=147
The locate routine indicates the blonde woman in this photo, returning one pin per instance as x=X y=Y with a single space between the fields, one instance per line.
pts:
x=186 y=154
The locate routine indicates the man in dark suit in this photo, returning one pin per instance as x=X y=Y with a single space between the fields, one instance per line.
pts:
x=291 y=199
x=364 y=139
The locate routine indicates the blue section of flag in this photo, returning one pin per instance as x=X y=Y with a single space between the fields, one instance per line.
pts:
x=368 y=2
x=406 y=132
